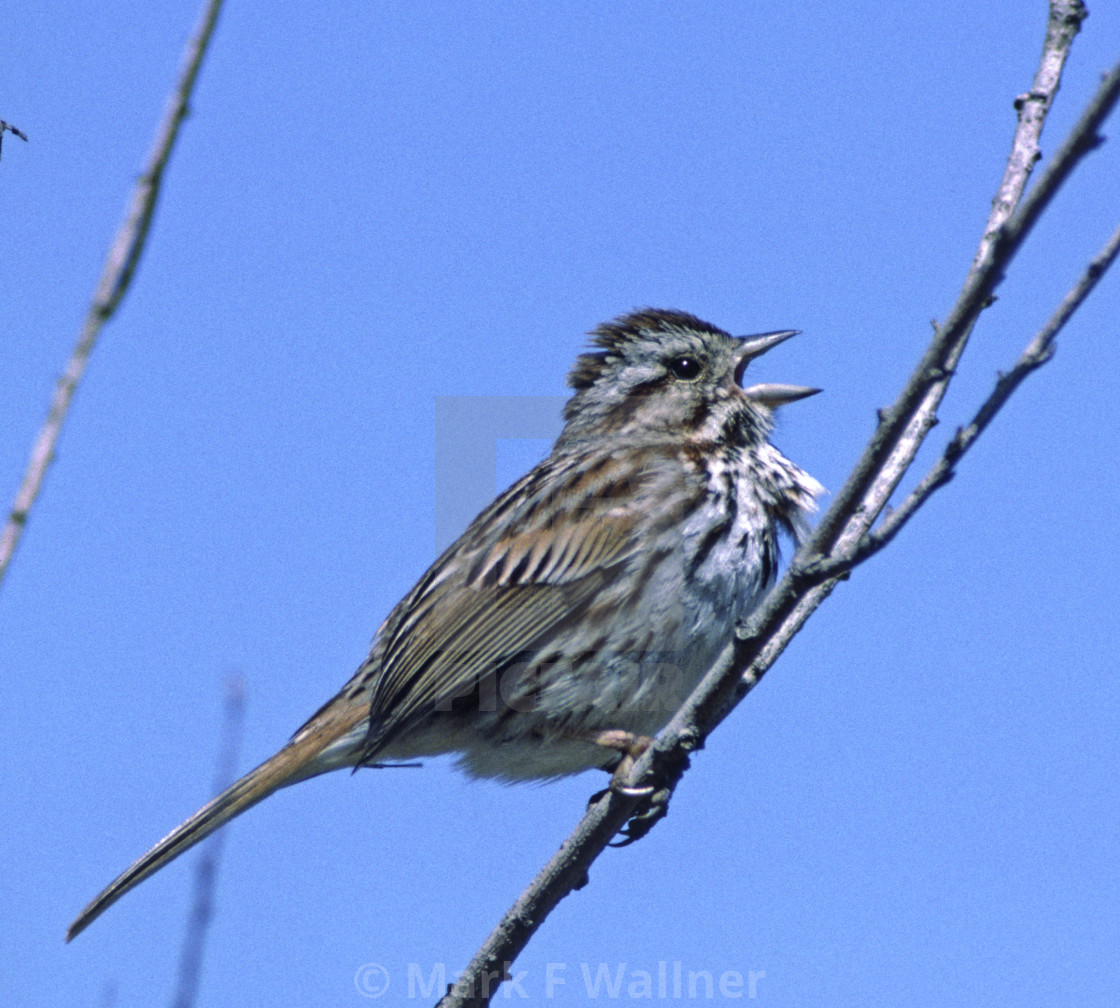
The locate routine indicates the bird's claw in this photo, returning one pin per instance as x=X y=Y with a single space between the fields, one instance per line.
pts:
x=654 y=807
x=653 y=798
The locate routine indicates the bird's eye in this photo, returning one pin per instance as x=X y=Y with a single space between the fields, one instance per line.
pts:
x=684 y=367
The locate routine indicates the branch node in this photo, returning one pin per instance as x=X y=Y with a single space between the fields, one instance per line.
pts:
x=687 y=740
x=1075 y=14
x=1033 y=95
x=1092 y=142
x=806 y=574
x=946 y=473
x=745 y=633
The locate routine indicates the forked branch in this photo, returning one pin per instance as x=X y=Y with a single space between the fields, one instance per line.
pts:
x=844 y=536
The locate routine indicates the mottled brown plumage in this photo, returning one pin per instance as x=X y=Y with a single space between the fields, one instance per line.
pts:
x=578 y=610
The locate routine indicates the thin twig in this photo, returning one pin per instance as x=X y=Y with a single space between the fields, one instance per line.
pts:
x=1037 y=352
x=1032 y=107
x=1082 y=139
x=809 y=579
x=892 y=448
x=852 y=513
x=120 y=264
x=206 y=868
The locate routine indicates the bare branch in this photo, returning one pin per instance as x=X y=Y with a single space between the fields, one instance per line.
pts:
x=853 y=511
x=1062 y=26
x=1037 y=352
x=815 y=569
x=120 y=264
x=1083 y=138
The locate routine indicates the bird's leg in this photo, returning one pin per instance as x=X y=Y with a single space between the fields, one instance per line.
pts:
x=632 y=747
x=654 y=799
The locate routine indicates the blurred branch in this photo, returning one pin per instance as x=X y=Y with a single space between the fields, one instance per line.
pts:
x=842 y=538
x=120 y=264
x=7 y=127
x=206 y=868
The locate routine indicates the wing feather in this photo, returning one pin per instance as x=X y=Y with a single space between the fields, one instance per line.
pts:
x=509 y=596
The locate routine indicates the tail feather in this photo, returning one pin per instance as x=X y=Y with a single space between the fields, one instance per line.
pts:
x=311 y=752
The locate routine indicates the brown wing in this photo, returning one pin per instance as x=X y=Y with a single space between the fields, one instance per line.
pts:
x=527 y=568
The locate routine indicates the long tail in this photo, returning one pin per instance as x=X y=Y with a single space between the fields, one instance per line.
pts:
x=324 y=743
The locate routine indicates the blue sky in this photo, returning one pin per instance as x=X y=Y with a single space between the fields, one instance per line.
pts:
x=374 y=206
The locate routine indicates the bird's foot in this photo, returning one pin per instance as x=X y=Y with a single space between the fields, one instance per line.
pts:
x=632 y=747
x=653 y=804
x=651 y=809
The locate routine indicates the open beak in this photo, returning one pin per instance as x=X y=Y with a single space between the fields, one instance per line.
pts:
x=768 y=395
x=772 y=396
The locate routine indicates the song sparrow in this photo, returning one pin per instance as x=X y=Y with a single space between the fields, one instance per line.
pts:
x=575 y=614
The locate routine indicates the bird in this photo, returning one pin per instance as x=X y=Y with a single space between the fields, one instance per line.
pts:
x=574 y=615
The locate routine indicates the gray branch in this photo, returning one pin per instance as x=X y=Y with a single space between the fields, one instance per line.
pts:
x=1038 y=352
x=843 y=538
